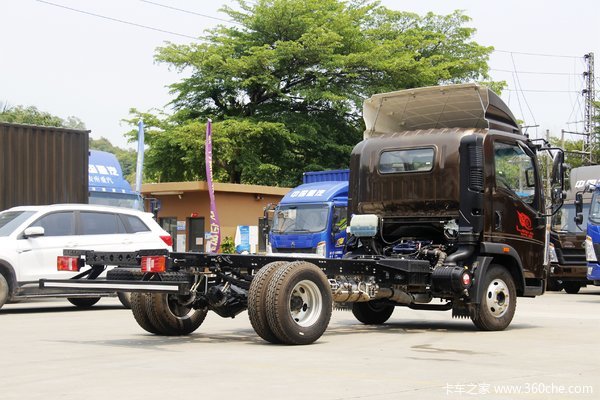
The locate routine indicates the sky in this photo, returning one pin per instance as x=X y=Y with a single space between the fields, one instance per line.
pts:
x=72 y=63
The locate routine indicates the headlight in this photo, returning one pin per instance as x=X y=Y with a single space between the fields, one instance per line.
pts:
x=321 y=249
x=590 y=254
x=553 y=257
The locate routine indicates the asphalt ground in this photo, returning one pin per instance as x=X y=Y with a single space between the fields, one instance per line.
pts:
x=51 y=350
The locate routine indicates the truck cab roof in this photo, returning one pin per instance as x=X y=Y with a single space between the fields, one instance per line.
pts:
x=317 y=192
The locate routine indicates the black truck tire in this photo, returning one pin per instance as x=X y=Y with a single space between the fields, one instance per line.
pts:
x=299 y=303
x=4 y=291
x=571 y=287
x=553 y=285
x=171 y=316
x=125 y=299
x=257 y=312
x=497 y=307
x=372 y=312
x=124 y=274
x=139 y=308
x=83 y=302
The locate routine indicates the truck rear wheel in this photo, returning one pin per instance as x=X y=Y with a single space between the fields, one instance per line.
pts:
x=4 y=290
x=497 y=307
x=125 y=299
x=372 y=312
x=139 y=308
x=83 y=302
x=172 y=316
x=257 y=294
x=299 y=303
x=124 y=274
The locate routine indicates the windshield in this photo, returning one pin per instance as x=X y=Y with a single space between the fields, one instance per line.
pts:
x=117 y=200
x=301 y=218
x=564 y=221
x=595 y=208
x=11 y=220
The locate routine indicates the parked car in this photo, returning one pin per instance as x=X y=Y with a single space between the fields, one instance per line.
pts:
x=32 y=237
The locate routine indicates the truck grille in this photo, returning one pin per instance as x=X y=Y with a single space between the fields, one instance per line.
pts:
x=571 y=256
x=309 y=250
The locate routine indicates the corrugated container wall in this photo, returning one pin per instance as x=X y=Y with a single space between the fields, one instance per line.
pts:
x=42 y=165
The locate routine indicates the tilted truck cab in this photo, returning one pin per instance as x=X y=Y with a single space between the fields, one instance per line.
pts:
x=448 y=171
x=445 y=201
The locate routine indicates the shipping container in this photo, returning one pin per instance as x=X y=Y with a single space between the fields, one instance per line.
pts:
x=42 y=165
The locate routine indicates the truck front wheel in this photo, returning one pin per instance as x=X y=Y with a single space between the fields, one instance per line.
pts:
x=572 y=287
x=497 y=307
x=372 y=312
x=172 y=315
x=257 y=304
x=299 y=303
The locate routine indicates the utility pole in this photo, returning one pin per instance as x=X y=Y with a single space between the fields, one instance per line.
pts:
x=590 y=142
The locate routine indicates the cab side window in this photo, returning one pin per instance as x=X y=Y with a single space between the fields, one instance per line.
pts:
x=341 y=218
x=57 y=224
x=515 y=171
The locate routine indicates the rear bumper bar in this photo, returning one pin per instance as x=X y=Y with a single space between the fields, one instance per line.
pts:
x=104 y=286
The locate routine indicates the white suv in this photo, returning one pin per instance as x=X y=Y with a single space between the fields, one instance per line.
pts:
x=32 y=237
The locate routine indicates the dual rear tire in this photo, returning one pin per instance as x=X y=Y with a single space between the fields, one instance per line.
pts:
x=166 y=314
x=290 y=302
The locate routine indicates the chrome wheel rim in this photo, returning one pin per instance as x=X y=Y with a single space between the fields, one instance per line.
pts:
x=497 y=298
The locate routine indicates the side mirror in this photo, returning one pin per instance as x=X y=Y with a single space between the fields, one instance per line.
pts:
x=33 y=231
x=558 y=169
x=578 y=203
x=578 y=208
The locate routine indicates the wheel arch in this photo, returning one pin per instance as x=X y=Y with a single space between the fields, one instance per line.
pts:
x=11 y=278
x=501 y=254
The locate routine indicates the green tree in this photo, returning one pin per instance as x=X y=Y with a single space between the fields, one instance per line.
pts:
x=287 y=81
x=31 y=115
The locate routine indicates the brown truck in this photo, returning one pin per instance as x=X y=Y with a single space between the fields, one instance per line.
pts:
x=445 y=202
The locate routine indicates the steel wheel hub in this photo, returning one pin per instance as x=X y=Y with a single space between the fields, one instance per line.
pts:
x=306 y=303
x=497 y=298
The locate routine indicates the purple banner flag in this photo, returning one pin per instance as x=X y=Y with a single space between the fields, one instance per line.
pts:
x=212 y=245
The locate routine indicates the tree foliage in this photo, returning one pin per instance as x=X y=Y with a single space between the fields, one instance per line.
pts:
x=285 y=84
x=31 y=115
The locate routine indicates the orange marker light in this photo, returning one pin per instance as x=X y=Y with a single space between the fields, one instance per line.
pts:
x=64 y=263
x=154 y=264
x=506 y=249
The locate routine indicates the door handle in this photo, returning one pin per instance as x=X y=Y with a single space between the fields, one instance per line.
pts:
x=497 y=220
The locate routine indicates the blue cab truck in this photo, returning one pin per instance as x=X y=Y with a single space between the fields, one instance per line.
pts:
x=107 y=186
x=311 y=219
x=592 y=240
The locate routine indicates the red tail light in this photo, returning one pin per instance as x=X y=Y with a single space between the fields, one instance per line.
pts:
x=167 y=239
x=64 y=263
x=154 y=264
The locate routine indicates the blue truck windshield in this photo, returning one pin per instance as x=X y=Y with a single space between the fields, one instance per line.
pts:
x=595 y=208
x=304 y=218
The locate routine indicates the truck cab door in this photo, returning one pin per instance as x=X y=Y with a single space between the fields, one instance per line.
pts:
x=338 y=230
x=517 y=203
